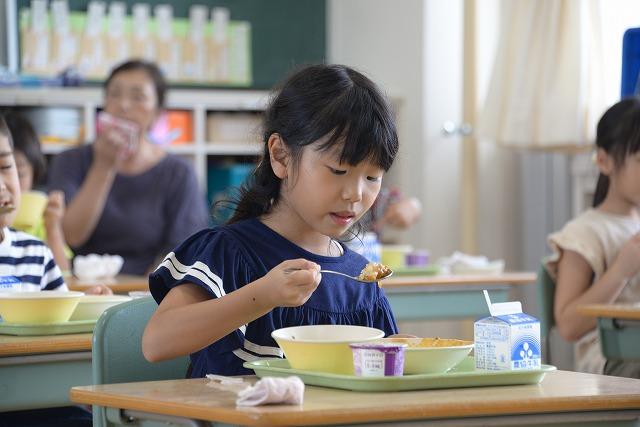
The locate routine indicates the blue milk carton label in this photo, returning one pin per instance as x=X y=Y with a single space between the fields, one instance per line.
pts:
x=507 y=340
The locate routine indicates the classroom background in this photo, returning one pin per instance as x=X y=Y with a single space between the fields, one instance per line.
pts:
x=490 y=183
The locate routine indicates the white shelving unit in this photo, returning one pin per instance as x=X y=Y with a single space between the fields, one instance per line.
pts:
x=199 y=102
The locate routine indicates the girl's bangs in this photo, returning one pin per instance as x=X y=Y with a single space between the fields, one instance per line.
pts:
x=364 y=133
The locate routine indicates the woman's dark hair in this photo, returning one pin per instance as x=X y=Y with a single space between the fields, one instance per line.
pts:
x=618 y=134
x=4 y=130
x=152 y=71
x=25 y=139
x=332 y=101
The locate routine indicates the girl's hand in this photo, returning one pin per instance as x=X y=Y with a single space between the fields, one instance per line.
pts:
x=54 y=212
x=99 y=290
x=110 y=149
x=292 y=282
x=627 y=262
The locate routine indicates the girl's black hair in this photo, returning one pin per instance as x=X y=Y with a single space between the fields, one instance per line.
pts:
x=150 y=69
x=332 y=101
x=25 y=139
x=618 y=134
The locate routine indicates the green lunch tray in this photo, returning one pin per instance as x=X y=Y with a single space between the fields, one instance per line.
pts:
x=70 y=327
x=463 y=375
x=428 y=270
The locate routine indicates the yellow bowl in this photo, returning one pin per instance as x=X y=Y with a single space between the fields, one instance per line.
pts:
x=40 y=307
x=323 y=348
x=91 y=307
x=31 y=209
x=432 y=355
x=395 y=256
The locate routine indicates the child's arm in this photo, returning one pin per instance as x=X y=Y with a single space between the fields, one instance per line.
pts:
x=53 y=224
x=189 y=319
x=574 y=288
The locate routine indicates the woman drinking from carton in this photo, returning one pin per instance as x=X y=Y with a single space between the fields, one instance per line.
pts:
x=125 y=195
x=329 y=137
x=598 y=253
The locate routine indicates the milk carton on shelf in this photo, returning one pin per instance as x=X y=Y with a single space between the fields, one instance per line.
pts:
x=508 y=339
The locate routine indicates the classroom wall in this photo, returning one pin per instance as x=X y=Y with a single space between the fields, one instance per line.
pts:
x=406 y=47
x=414 y=50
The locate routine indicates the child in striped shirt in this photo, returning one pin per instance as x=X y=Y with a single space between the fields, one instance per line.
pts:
x=23 y=258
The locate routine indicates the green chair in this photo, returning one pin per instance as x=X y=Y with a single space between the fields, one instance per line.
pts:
x=117 y=352
x=545 y=288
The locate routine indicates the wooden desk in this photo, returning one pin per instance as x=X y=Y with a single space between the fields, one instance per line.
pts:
x=37 y=372
x=449 y=296
x=121 y=284
x=619 y=329
x=562 y=397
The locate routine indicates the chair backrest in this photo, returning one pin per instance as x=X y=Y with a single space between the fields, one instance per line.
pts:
x=117 y=352
x=545 y=288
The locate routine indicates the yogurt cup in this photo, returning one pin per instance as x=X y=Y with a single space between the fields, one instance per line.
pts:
x=374 y=359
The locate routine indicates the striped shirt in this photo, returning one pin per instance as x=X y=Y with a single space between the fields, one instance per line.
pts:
x=29 y=260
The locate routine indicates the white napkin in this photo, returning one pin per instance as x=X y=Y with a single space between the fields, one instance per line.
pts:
x=460 y=263
x=94 y=266
x=288 y=390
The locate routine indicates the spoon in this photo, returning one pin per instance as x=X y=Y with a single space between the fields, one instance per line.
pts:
x=356 y=278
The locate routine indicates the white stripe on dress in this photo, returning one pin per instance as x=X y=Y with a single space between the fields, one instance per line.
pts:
x=247 y=357
x=263 y=350
x=215 y=283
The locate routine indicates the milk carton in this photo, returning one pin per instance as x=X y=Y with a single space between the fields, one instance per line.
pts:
x=507 y=340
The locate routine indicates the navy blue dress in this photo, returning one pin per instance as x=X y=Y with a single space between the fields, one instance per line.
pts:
x=225 y=258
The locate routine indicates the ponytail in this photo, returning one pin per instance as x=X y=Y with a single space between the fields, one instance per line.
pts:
x=602 y=187
x=258 y=193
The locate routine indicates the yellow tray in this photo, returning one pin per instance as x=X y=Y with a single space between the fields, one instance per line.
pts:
x=463 y=375
x=70 y=327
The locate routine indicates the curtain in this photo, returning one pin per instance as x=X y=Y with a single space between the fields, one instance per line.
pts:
x=546 y=88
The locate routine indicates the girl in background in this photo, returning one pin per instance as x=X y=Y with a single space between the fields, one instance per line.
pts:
x=329 y=137
x=31 y=166
x=597 y=254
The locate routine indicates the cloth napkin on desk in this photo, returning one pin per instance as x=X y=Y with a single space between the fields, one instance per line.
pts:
x=288 y=390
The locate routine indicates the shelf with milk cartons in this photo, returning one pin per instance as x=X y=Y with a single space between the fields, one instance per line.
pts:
x=224 y=123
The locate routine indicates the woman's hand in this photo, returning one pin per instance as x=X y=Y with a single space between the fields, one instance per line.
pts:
x=54 y=212
x=627 y=262
x=110 y=149
x=292 y=282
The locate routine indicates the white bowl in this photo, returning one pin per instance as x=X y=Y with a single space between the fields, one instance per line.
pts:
x=94 y=266
x=90 y=307
x=494 y=267
x=38 y=307
x=432 y=355
x=323 y=348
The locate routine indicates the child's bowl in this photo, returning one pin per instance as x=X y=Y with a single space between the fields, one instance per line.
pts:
x=395 y=256
x=91 y=307
x=432 y=355
x=323 y=348
x=39 y=307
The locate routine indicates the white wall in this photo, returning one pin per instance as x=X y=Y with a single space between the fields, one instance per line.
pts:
x=413 y=50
